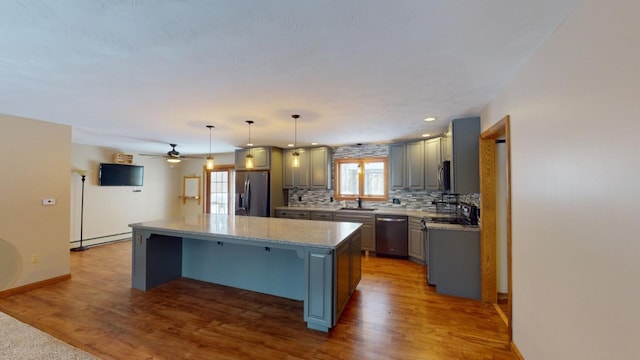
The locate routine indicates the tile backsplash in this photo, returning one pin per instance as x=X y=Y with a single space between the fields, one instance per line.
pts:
x=414 y=200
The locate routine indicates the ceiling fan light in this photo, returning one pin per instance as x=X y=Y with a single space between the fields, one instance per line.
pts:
x=173 y=160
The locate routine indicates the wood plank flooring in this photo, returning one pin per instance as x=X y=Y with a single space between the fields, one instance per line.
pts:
x=392 y=315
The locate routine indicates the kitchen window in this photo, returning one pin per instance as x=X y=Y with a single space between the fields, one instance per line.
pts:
x=361 y=178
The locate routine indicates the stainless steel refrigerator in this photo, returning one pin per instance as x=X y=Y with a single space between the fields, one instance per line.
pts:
x=252 y=193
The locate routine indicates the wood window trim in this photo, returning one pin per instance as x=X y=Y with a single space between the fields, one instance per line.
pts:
x=361 y=162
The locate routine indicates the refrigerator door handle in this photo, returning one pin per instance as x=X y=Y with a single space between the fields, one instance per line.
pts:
x=247 y=190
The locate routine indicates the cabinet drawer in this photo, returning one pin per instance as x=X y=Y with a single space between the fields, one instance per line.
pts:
x=293 y=214
x=322 y=215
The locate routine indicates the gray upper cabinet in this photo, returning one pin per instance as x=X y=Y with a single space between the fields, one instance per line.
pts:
x=319 y=159
x=463 y=136
x=397 y=166
x=261 y=158
x=415 y=165
x=314 y=171
x=295 y=177
x=432 y=163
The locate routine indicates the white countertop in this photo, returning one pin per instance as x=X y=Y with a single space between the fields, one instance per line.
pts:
x=262 y=229
x=395 y=211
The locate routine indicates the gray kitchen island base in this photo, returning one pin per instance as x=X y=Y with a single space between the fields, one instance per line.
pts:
x=322 y=276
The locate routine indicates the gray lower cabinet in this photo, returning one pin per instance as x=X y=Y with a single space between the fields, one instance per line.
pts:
x=454 y=262
x=348 y=271
x=322 y=215
x=293 y=214
x=368 y=226
x=417 y=239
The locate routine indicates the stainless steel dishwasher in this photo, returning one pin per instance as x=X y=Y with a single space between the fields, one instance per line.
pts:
x=391 y=235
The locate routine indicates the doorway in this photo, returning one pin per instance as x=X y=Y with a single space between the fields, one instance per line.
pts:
x=495 y=154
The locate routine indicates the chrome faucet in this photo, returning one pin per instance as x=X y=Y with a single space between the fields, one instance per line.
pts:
x=359 y=203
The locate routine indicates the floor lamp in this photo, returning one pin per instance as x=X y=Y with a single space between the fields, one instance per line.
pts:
x=83 y=175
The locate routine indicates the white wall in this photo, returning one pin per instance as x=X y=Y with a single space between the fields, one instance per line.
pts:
x=108 y=210
x=196 y=168
x=35 y=160
x=575 y=184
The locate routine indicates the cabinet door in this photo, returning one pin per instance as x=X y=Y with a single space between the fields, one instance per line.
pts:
x=295 y=177
x=241 y=155
x=465 y=169
x=397 y=166
x=319 y=284
x=415 y=165
x=416 y=243
x=368 y=237
x=320 y=168
x=432 y=164
x=261 y=158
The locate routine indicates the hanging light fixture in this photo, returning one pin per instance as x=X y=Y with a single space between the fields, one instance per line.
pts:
x=248 y=162
x=295 y=157
x=210 y=160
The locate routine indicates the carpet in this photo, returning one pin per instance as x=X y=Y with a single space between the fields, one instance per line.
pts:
x=22 y=341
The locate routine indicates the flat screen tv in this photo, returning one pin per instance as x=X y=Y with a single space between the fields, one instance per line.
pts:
x=121 y=175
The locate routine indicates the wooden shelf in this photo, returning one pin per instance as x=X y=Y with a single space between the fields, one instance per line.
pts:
x=121 y=158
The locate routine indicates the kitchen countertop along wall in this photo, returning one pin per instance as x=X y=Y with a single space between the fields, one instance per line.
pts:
x=389 y=211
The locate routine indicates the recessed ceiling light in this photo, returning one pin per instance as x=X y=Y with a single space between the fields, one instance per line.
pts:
x=430 y=119
x=290 y=145
x=426 y=135
x=314 y=143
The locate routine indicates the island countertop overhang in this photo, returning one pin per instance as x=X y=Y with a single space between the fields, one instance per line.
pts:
x=319 y=234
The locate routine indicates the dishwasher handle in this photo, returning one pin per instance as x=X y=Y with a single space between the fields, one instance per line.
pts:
x=391 y=219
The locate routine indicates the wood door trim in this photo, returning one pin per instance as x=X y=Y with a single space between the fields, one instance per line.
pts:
x=488 y=227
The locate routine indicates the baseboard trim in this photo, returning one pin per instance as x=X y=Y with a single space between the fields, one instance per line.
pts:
x=516 y=352
x=33 y=286
x=503 y=316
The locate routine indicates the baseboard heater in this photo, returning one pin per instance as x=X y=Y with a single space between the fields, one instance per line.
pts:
x=105 y=239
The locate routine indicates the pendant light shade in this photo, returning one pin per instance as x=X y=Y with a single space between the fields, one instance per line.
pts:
x=295 y=157
x=210 y=160
x=248 y=162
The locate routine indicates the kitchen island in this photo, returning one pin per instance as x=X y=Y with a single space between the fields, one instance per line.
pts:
x=316 y=262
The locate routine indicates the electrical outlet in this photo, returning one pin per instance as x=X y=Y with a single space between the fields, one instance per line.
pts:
x=396 y=201
x=330 y=198
x=35 y=258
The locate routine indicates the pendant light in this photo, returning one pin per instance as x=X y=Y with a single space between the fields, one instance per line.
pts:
x=210 y=160
x=248 y=162
x=295 y=157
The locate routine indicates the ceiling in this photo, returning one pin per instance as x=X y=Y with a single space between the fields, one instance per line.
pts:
x=137 y=75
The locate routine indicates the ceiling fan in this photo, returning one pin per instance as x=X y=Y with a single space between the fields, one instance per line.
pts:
x=173 y=155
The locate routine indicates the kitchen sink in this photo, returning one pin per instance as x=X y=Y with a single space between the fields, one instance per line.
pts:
x=358 y=209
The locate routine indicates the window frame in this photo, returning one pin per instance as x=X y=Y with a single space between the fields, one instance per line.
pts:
x=361 y=180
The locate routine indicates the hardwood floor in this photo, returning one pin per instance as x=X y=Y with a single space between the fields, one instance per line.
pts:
x=392 y=315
